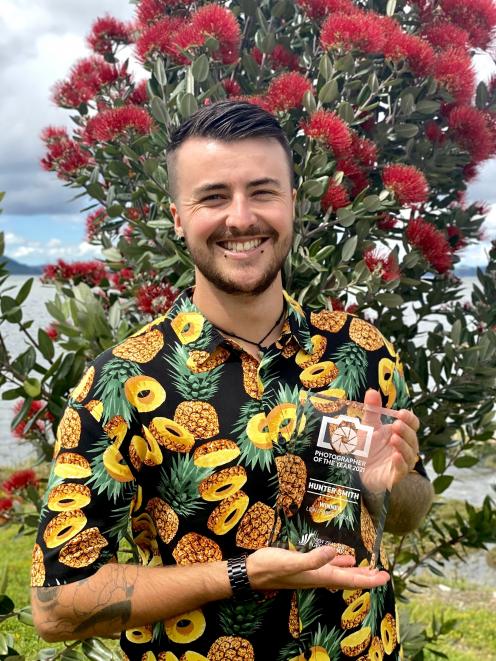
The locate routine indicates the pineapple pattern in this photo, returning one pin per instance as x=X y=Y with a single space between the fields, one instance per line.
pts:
x=179 y=439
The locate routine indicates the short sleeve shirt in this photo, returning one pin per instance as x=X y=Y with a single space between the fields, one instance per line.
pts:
x=175 y=438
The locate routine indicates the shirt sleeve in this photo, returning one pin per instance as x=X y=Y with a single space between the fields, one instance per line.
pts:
x=89 y=493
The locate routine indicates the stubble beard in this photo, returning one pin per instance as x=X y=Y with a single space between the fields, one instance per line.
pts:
x=206 y=265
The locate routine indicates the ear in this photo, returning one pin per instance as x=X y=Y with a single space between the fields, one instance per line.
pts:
x=177 y=220
x=294 y=194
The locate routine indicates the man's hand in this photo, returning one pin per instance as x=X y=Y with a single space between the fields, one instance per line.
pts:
x=273 y=569
x=394 y=450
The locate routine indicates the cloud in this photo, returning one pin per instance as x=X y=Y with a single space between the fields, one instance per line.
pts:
x=43 y=252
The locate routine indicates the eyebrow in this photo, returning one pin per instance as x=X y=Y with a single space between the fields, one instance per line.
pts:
x=207 y=188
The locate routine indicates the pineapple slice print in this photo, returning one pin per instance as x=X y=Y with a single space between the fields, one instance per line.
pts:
x=355 y=643
x=196 y=548
x=231 y=647
x=347 y=517
x=323 y=646
x=389 y=635
x=178 y=486
x=71 y=465
x=257 y=527
x=83 y=549
x=144 y=393
x=330 y=321
x=304 y=359
x=80 y=392
x=187 y=627
x=141 y=348
x=69 y=429
x=223 y=483
x=202 y=361
x=37 y=567
x=292 y=474
x=356 y=612
x=164 y=517
x=110 y=472
x=351 y=361
x=252 y=434
x=215 y=453
x=251 y=381
x=195 y=413
x=227 y=515
x=168 y=433
x=319 y=375
x=110 y=389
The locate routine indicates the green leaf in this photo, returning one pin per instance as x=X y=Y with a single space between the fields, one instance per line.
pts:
x=187 y=105
x=309 y=102
x=349 y=248
x=112 y=254
x=407 y=104
x=427 y=107
x=200 y=68
x=481 y=97
x=315 y=188
x=406 y=130
x=372 y=203
x=442 y=482
x=346 y=63
x=329 y=91
x=346 y=112
x=96 y=650
x=24 y=291
x=466 y=461
x=456 y=332
x=390 y=7
x=32 y=387
x=4 y=647
x=389 y=300
x=411 y=259
x=439 y=461
x=159 y=110
x=346 y=217
x=159 y=72
x=25 y=615
x=325 y=67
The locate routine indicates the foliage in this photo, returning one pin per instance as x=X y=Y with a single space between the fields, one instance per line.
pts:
x=387 y=127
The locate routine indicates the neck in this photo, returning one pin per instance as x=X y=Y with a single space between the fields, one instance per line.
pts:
x=249 y=316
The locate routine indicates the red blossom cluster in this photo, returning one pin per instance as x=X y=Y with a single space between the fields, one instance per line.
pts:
x=432 y=243
x=151 y=11
x=122 y=280
x=335 y=197
x=287 y=91
x=92 y=272
x=94 y=222
x=106 y=32
x=387 y=222
x=41 y=419
x=319 y=8
x=20 y=480
x=357 y=30
x=279 y=58
x=327 y=127
x=64 y=156
x=231 y=87
x=139 y=95
x=454 y=71
x=384 y=264
x=456 y=238
x=414 y=50
x=112 y=123
x=155 y=298
x=477 y=18
x=52 y=331
x=6 y=505
x=444 y=34
x=434 y=132
x=407 y=183
x=86 y=80
x=474 y=131
x=171 y=35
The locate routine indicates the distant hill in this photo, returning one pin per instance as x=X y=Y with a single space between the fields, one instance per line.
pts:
x=466 y=272
x=16 y=268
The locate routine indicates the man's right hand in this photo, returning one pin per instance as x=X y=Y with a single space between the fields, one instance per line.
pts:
x=274 y=569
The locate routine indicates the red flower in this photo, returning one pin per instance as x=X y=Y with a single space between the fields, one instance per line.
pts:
x=94 y=222
x=417 y=52
x=6 y=504
x=320 y=8
x=151 y=11
x=106 y=32
x=407 y=183
x=92 y=272
x=86 y=79
x=444 y=34
x=363 y=150
x=384 y=264
x=287 y=91
x=122 y=279
x=387 y=222
x=477 y=17
x=433 y=131
x=114 y=122
x=139 y=95
x=64 y=156
x=456 y=238
x=355 y=173
x=231 y=87
x=432 y=243
x=337 y=304
x=470 y=128
x=52 y=332
x=218 y=22
x=35 y=407
x=160 y=37
x=155 y=298
x=353 y=309
x=453 y=70
x=335 y=197
x=326 y=126
x=20 y=480
x=282 y=58
x=361 y=31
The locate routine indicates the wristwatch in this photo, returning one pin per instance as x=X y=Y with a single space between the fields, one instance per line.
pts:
x=238 y=577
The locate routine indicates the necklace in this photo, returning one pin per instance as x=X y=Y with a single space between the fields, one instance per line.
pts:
x=256 y=344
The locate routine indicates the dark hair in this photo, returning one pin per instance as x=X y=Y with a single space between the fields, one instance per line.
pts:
x=227 y=121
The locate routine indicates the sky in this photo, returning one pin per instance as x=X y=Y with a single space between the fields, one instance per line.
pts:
x=39 y=41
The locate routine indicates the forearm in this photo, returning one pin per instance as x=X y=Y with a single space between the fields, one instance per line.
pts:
x=119 y=597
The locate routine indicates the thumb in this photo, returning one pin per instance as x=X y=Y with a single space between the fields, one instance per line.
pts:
x=372 y=401
x=318 y=557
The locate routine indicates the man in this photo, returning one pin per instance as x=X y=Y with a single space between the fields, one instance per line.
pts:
x=183 y=430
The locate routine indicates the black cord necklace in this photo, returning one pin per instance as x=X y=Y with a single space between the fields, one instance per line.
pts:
x=256 y=344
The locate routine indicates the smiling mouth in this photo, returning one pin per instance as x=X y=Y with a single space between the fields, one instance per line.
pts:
x=241 y=246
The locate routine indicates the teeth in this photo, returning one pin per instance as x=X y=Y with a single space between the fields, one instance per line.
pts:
x=242 y=246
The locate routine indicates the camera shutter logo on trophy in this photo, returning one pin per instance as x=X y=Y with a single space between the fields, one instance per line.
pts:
x=345 y=435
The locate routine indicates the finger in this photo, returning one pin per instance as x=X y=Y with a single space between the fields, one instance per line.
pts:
x=372 y=401
x=356 y=577
x=409 y=418
x=343 y=561
x=315 y=558
x=407 y=433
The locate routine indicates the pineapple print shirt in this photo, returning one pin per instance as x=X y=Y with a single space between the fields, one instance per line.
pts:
x=180 y=437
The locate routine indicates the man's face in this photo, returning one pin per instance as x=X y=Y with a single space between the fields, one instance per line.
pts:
x=235 y=207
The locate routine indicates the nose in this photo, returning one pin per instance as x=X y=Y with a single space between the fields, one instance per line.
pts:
x=240 y=214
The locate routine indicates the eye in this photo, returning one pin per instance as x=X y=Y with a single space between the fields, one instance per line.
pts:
x=213 y=198
x=264 y=192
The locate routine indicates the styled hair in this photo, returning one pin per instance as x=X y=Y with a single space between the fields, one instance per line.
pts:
x=227 y=121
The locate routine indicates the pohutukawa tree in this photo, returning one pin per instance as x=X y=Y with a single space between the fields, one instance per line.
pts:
x=381 y=107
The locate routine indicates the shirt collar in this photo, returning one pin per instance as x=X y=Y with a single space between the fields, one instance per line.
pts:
x=296 y=324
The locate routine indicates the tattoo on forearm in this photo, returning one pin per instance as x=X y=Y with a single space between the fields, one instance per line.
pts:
x=117 y=614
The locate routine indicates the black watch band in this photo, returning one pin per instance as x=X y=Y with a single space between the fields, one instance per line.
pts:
x=238 y=577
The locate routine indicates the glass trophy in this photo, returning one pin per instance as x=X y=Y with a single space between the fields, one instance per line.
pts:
x=345 y=461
